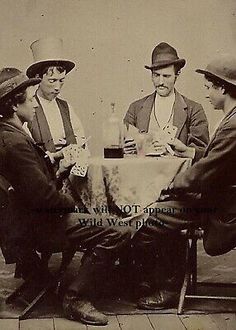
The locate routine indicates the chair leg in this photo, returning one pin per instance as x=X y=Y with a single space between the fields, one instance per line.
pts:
x=27 y=311
x=52 y=284
x=193 y=258
x=186 y=280
x=17 y=294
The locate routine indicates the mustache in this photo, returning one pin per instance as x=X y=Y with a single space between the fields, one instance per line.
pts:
x=161 y=86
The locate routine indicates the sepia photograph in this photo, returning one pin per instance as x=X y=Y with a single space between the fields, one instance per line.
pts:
x=118 y=164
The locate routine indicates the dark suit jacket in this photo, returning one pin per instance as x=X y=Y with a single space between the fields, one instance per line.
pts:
x=189 y=117
x=37 y=202
x=214 y=176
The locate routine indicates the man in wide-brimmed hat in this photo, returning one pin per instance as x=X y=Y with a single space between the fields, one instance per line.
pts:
x=164 y=108
x=41 y=213
x=206 y=192
x=55 y=123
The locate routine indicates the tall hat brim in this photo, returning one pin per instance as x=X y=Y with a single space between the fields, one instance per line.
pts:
x=37 y=67
x=163 y=63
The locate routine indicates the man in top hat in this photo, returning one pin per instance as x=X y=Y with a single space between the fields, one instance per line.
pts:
x=206 y=192
x=167 y=107
x=55 y=123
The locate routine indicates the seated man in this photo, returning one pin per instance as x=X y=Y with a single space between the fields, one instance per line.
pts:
x=166 y=106
x=212 y=179
x=55 y=123
x=41 y=210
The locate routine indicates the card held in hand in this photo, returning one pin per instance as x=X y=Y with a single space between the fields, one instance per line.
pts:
x=75 y=154
x=170 y=133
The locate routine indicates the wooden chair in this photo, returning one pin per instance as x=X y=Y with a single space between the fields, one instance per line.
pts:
x=6 y=193
x=190 y=283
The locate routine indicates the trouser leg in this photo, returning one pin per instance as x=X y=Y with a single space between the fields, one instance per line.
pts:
x=145 y=257
x=171 y=250
x=102 y=244
x=161 y=237
x=162 y=234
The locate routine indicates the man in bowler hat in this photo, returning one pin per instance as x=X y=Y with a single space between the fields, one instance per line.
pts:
x=166 y=106
x=55 y=123
x=154 y=112
x=205 y=192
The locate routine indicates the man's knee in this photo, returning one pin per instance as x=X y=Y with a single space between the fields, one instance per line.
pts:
x=122 y=234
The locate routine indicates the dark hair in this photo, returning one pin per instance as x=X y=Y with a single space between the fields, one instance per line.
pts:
x=7 y=104
x=177 y=68
x=49 y=69
x=217 y=82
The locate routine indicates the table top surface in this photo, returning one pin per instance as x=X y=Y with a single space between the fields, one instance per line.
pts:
x=136 y=159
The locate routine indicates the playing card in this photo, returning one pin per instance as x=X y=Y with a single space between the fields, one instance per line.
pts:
x=71 y=152
x=81 y=141
x=170 y=132
x=76 y=154
x=79 y=170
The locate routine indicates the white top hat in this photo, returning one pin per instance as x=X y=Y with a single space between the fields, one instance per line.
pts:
x=48 y=52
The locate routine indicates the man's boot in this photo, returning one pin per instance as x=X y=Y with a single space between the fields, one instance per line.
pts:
x=160 y=296
x=169 y=271
x=77 y=301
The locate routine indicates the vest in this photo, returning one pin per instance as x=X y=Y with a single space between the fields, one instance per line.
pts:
x=41 y=132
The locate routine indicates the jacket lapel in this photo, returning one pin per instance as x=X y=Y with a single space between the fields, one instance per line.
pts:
x=227 y=117
x=40 y=129
x=180 y=114
x=145 y=112
x=179 y=109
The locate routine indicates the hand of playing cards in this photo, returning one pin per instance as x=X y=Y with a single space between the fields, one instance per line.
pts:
x=166 y=135
x=77 y=155
x=163 y=138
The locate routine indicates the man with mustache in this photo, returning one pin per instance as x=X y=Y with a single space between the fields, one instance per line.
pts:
x=166 y=106
x=205 y=193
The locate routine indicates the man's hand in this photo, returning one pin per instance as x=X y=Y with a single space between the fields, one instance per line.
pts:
x=181 y=150
x=130 y=147
x=55 y=156
x=178 y=145
x=157 y=145
x=166 y=193
x=64 y=167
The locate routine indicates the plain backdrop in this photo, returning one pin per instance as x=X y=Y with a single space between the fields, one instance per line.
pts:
x=112 y=40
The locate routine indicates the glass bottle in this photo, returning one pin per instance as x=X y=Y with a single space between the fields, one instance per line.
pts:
x=112 y=136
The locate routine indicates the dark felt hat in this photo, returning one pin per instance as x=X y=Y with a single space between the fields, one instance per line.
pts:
x=223 y=67
x=164 y=55
x=48 y=52
x=13 y=80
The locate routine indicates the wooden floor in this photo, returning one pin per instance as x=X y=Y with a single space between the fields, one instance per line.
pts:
x=131 y=322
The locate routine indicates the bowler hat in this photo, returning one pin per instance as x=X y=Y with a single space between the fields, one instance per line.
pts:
x=48 y=52
x=164 y=55
x=222 y=67
x=12 y=81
